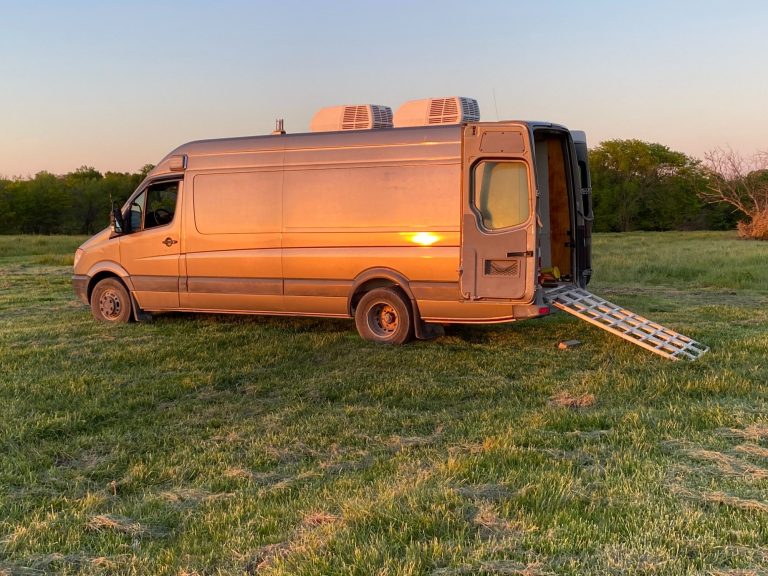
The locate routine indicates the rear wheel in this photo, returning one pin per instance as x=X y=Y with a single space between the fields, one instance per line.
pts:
x=110 y=301
x=383 y=315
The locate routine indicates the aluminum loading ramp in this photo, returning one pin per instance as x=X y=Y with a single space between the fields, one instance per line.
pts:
x=628 y=325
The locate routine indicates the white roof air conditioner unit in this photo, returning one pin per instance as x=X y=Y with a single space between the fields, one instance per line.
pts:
x=452 y=110
x=358 y=117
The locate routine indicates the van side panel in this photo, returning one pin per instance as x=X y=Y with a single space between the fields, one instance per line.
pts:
x=233 y=241
x=285 y=224
x=348 y=211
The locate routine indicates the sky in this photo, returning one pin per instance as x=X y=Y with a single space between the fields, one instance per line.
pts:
x=116 y=84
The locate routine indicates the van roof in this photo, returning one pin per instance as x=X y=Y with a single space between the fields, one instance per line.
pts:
x=342 y=139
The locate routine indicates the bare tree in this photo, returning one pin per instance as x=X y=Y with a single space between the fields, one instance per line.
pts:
x=742 y=183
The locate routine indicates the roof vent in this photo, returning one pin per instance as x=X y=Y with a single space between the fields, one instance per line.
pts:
x=452 y=110
x=359 y=117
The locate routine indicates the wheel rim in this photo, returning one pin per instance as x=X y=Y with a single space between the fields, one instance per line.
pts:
x=110 y=305
x=383 y=319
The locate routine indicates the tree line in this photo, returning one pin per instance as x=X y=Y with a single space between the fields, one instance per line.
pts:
x=636 y=185
x=75 y=203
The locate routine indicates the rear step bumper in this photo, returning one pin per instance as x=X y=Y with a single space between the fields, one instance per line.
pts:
x=623 y=323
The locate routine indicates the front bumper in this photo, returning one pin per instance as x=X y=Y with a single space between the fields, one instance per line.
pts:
x=80 y=286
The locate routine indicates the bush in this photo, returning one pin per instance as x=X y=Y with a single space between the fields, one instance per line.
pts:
x=756 y=228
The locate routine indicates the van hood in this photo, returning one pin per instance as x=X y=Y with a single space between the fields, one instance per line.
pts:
x=97 y=238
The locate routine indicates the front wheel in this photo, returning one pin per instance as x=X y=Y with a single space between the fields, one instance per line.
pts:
x=110 y=301
x=384 y=316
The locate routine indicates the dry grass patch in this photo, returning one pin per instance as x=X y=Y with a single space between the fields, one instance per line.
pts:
x=734 y=501
x=753 y=432
x=312 y=533
x=491 y=526
x=752 y=450
x=746 y=554
x=319 y=518
x=115 y=523
x=266 y=556
x=718 y=497
x=122 y=525
x=568 y=400
x=625 y=559
x=727 y=464
x=402 y=442
x=57 y=563
x=243 y=473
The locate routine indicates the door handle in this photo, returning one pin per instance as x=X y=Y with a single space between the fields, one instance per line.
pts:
x=528 y=254
x=169 y=241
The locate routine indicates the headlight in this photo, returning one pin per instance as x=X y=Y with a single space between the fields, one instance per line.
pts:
x=78 y=253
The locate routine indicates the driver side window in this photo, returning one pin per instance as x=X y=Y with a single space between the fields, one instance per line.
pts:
x=135 y=216
x=155 y=206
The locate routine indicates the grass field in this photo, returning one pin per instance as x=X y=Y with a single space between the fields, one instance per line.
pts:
x=243 y=445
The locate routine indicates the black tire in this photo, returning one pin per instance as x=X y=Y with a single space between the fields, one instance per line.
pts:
x=110 y=302
x=383 y=315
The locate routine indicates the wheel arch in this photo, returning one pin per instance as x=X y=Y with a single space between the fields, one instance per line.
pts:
x=386 y=278
x=104 y=270
x=378 y=278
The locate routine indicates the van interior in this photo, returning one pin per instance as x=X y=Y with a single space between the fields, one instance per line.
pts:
x=555 y=219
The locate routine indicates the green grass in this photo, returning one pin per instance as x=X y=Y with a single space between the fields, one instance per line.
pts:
x=243 y=445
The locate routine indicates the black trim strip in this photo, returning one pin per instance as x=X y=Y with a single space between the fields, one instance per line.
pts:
x=254 y=286
x=446 y=291
x=331 y=288
x=155 y=283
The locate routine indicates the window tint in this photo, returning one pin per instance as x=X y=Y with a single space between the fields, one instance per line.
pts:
x=155 y=206
x=501 y=193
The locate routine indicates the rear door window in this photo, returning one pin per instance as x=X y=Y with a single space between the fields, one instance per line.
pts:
x=500 y=195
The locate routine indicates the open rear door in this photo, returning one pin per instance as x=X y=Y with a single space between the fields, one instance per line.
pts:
x=498 y=254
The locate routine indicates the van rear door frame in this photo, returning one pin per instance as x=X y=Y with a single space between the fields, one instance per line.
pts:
x=500 y=264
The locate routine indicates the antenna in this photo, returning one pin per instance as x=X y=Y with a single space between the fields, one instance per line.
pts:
x=496 y=106
x=279 y=127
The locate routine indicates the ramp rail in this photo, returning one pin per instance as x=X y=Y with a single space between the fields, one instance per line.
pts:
x=624 y=323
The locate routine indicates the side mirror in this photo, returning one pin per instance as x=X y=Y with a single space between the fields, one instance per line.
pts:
x=116 y=221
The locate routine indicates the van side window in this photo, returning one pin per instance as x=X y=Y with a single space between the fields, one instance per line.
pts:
x=501 y=193
x=155 y=206
x=136 y=213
